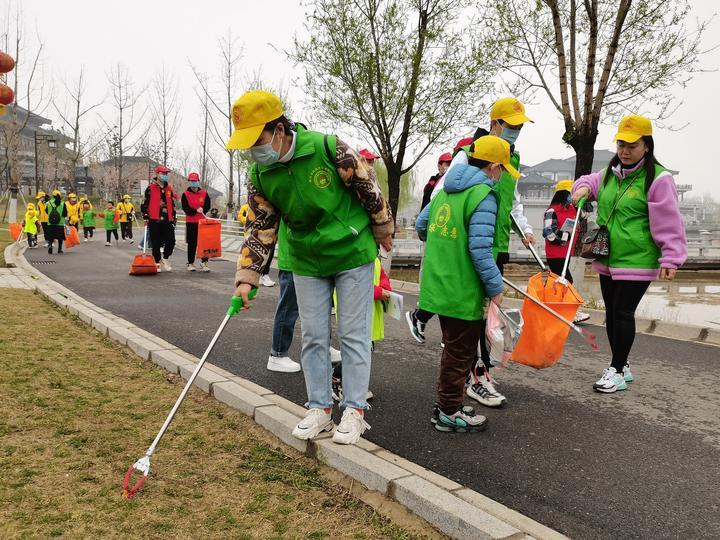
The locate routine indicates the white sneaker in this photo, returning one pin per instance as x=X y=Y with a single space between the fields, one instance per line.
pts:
x=85 y=240
x=157 y=266
x=190 y=267
x=627 y=374
x=581 y=317
x=132 y=241
x=351 y=427
x=335 y=357
x=611 y=381
x=108 y=244
x=204 y=267
x=282 y=364
x=166 y=265
x=315 y=422
x=265 y=281
x=483 y=391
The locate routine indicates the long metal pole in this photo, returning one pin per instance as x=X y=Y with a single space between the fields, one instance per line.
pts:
x=529 y=245
x=189 y=383
x=37 y=176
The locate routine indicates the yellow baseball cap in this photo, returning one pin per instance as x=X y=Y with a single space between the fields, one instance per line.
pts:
x=40 y=195
x=56 y=192
x=509 y=110
x=632 y=128
x=564 y=185
x=494 y=150
x=250 y=113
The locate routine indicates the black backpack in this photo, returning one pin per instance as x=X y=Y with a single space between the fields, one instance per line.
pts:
x=54 y=215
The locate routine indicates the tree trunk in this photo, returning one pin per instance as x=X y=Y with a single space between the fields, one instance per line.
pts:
x=584 y=146
x=393 y=179
x=231 y=185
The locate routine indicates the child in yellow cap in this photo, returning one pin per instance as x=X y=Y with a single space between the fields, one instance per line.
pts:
x=30 y=225
x=460 y=273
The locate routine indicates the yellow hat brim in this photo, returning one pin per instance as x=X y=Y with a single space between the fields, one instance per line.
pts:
x=512 y=171
x=244 y=138
x=517 y=119
x=627 y=136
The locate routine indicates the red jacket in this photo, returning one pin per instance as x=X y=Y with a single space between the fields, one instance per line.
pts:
x=196 y=200
x=151 y=206
x=384 y=284
x=563 y=213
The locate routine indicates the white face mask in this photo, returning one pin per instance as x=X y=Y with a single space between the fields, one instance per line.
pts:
x=265 y=154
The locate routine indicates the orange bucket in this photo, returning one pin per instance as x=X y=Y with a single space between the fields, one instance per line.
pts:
x=16 y=231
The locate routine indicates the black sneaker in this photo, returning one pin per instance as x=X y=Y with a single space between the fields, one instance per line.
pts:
x=417 y=328
x=436 y=412
x=460 y=422
x=50 y=250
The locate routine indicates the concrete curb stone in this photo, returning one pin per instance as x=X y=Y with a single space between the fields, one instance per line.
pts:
x=373 y=472
x=289 y=406
x=169 y=360
x=453 y=516
x=255 y=388
x=677 y=331
x=502 y=512
x=417 y=470
x=102 y=324
x=205 y=379
x=240 y=398
x=280 y=423
x=121 y=334
x=712 y=337
x=143 y=346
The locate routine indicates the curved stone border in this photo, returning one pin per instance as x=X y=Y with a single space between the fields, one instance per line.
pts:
x=453 y=509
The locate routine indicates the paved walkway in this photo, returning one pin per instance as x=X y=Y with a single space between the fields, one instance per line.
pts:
x=641 y=464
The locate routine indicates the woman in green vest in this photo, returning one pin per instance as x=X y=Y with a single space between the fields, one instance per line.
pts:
x=460 y=273
x=336 y=216
x=638 y=204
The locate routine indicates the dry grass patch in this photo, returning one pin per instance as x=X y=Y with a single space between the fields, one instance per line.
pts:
x=76 y=411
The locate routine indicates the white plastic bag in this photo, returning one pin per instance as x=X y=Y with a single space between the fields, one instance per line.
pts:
x=502 y=333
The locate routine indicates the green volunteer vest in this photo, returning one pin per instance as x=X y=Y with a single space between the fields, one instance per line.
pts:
x=328 y=230
x=49 y=207
x=505 y=192
x=631 y=242
x=450 y=285
x=109 y=220
x=88 y=219
x=282 y=257
x=378 y=323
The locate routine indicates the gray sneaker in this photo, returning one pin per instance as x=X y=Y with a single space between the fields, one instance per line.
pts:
x=460 y=422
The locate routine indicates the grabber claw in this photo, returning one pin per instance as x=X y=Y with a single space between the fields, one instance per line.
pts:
x=142 y=465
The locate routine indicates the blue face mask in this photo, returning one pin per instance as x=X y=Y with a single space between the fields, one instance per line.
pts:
x=265 y=154
x=194 y=184
x=163 y=178
x=510 y=135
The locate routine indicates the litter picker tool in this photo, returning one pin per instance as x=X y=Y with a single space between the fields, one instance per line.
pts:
x=143 y=464
x=588 y=336
x=143 y=264
x=571 y=243
x=522 y=234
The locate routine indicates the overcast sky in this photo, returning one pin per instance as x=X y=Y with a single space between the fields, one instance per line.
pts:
x=144 y=34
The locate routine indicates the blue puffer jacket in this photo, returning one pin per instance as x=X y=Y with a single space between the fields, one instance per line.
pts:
x=482 y=225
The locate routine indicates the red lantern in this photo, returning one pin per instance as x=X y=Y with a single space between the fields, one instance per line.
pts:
x=7 y=63
x=6 y=94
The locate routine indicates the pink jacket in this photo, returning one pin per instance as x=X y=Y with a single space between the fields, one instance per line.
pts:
x=666 y=224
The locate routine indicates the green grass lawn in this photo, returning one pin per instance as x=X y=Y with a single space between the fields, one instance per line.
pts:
x=77 y=410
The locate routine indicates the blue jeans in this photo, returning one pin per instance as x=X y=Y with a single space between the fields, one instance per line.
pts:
x=354 y=310
x=286 y=314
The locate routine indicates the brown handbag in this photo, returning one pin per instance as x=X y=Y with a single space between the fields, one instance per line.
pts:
x=596 y=242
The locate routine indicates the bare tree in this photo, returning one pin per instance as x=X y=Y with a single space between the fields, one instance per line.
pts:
x=28 y=84
x=203 y=143
x=598 y=59
x=403 y=73
x=72 y=118
x=165 y=105
x=231 y=53
x=126 y=120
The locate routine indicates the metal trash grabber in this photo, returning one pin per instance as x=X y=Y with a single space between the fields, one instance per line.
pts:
x=571 y=243
x=588 y=336
x=518 y=230
x=143 y=464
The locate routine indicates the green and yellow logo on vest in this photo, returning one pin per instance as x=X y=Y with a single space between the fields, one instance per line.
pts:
x=321 y=177
x=441 y=221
